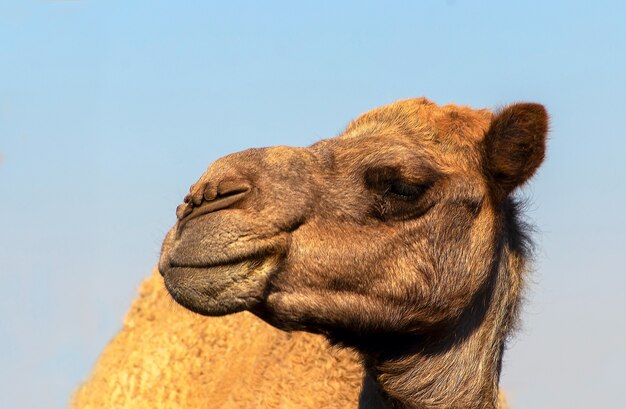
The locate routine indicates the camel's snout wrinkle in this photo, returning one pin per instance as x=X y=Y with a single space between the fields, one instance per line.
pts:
x=211 y=197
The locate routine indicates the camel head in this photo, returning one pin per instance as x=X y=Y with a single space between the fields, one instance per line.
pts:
x=403 y=224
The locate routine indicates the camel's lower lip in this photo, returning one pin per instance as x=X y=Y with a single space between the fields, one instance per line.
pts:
x=200 y=289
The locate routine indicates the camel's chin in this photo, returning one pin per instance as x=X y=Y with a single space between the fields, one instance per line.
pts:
x=222 y=289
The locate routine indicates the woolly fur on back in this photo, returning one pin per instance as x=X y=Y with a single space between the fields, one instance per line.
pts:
x=167 y=357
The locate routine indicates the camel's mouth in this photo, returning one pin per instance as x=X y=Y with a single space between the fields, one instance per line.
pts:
x=211 y=271
x=174 y=263
x=219 y=289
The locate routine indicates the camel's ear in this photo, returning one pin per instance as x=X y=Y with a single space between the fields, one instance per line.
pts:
x=515 y=145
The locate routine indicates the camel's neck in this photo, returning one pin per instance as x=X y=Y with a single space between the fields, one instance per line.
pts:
x=464 y=377
x=459 y=370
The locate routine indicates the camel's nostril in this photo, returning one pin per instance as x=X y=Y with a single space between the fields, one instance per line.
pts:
x=211 y=199
x=231 y=187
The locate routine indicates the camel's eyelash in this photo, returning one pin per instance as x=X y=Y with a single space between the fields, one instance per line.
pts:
x=393 y=179
x=404 y=191
x=381 y=208
x=397 y=199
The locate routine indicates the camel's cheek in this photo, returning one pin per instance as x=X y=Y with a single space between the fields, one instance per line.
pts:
x=335 y=257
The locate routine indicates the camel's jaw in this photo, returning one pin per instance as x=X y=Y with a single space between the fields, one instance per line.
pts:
x=220 y=290
x=217 y=285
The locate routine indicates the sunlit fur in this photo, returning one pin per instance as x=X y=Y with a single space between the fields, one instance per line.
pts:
x=398 y=238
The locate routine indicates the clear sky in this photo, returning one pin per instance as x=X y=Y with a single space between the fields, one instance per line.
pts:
x=109 y=110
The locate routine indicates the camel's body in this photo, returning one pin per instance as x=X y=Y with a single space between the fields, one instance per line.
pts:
x=168 y=358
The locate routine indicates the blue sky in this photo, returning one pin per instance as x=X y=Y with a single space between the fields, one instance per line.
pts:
x=110 y=110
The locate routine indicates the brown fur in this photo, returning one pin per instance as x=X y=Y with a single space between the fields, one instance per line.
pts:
x=398 y=239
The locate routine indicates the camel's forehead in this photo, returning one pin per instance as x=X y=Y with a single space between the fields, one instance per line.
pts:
x=423 y=120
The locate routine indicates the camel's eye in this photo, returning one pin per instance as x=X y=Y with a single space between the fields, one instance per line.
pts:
x=404 y=191
x=396 y=197
x=390 y=184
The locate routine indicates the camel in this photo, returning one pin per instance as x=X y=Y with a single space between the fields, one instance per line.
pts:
x=399 y=239
x=166 y=358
